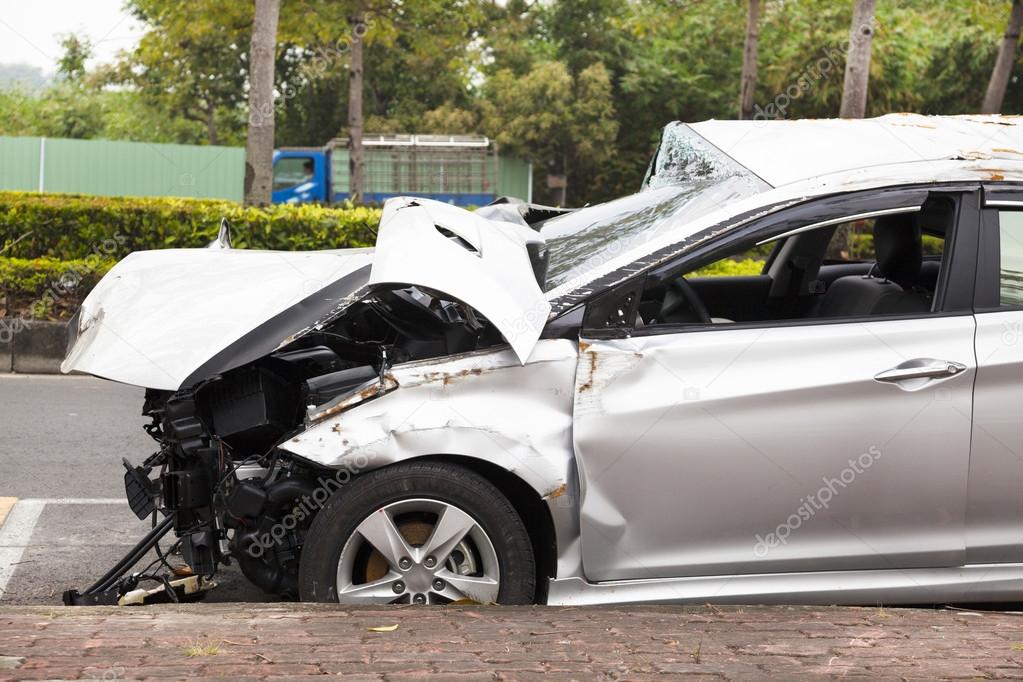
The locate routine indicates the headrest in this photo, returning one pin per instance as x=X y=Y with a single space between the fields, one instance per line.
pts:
x=898 y=248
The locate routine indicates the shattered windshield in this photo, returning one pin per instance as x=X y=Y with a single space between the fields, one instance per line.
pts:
x=688 y=178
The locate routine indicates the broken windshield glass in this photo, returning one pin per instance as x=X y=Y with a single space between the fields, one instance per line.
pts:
x=688 y=178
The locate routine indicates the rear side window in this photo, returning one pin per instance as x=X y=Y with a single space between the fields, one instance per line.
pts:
x=1010 y=269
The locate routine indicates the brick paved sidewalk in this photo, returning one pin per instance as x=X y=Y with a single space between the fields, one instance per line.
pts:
x=311 y=641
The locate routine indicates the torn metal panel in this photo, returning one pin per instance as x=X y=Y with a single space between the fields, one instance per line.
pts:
x=483 y=263
x=373 y=389
x=480 y=404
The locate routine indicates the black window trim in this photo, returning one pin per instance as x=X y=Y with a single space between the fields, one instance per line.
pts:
x=997 y=198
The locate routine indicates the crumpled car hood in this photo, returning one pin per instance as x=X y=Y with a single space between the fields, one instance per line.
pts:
x=169 y=318
x=158 y=316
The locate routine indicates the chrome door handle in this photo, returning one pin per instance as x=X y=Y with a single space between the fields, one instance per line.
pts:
x=922 y=368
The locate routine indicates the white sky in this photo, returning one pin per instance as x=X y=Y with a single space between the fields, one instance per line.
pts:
x=29 y=29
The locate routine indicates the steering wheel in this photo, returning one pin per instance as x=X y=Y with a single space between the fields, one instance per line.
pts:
x=680 y=294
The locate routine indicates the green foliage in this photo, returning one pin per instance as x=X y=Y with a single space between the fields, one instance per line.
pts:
x=71 y=64
x=730 y=268
x=47 y=288
x=546 y=115
x=192 y=63
x=74 y=227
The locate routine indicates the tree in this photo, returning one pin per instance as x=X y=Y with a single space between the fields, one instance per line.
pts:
x=550 y=118
x=1003 y=64
x=748 y=79
x=356 y=161
x=259 y=143
x=192 y=62
x=430 y=32
x=71 y=64
x=857 y=65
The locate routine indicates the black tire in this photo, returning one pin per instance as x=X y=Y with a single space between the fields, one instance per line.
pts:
x=449 y=483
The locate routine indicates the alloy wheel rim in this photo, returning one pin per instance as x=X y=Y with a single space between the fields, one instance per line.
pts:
x=419 y=551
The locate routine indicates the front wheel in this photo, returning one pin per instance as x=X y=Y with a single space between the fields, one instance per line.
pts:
x=420 y=533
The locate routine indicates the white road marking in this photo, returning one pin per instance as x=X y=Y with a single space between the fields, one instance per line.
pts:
x=15 y=536
x=80 y=500
x=16 y=532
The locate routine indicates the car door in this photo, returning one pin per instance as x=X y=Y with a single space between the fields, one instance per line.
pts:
x=801 y=445
x=995 y=506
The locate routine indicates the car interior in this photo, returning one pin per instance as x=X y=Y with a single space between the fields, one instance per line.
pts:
x=885 y=265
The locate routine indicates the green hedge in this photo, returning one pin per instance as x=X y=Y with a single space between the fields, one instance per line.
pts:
x=47 y=288
x=69 y=226
x=731 y=268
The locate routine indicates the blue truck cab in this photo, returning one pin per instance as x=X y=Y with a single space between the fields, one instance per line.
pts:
x=464 y=170
x=301 y=176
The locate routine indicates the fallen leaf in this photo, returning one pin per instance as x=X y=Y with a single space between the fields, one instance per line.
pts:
x=384 y=628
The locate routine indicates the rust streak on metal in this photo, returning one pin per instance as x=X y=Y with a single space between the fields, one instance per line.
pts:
x=557 y=492
x=593 y=371
x=447 y=377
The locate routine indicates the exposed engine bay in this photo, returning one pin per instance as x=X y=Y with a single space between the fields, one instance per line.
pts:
x=218 y=473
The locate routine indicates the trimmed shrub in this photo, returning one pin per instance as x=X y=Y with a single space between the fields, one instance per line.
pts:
x=730 y=268
x=71 y=226
x=47 y=288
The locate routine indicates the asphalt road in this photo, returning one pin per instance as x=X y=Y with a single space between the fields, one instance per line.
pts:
x=61 y=447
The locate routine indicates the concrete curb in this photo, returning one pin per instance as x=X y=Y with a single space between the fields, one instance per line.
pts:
x=36 y=347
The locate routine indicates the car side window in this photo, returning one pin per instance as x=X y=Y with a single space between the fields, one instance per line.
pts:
x=882 y=263
x=1010 y=266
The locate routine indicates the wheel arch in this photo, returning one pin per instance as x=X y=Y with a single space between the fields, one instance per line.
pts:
x=531 y=508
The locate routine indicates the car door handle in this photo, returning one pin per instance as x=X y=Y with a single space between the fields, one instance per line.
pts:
x=921 y=368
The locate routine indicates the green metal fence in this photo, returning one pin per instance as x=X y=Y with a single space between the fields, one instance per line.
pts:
x=113 y=168
x=110 y=168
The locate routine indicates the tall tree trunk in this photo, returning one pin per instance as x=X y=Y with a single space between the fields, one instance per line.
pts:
x=749 y=61
x=259 y=145
x=356 y=162
x=211 y=125
x=1003 y=65
x=857 y=64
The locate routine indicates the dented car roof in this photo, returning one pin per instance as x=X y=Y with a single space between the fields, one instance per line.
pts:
x=783 y=152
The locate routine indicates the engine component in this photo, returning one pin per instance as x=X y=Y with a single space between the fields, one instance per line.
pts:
x=268 y=551
x=247 y=501
x=139 y=489
x=312 y=361
x=186 y=489
x=251 y=408
x=201 y=551
x=323 y=389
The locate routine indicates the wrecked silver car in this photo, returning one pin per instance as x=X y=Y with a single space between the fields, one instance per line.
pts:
x=527 y=404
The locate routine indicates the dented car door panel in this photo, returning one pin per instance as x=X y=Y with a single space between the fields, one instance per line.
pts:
x=712 y=452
